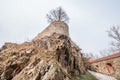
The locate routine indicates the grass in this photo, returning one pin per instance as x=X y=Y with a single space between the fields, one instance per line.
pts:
x=86 y=76
x=118 y=78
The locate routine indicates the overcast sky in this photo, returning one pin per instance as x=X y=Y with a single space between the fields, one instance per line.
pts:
x=22 y=20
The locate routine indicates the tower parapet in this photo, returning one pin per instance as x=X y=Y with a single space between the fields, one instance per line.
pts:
x=55 y=27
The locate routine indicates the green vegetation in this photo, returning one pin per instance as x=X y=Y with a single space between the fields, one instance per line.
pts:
x=118 y=78
x=86 y=76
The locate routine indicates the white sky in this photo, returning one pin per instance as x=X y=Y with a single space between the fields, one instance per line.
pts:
x=21 y=20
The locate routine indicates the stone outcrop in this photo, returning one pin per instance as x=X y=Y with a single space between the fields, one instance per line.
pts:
x=49 y=56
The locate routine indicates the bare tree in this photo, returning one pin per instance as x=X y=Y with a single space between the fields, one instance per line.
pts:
x=90 y=55
x=57 y=14
x=114 y=33
x=105 y=52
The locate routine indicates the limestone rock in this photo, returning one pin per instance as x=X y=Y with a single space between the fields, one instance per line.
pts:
x=47 y=57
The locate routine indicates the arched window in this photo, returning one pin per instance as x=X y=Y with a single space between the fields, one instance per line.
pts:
x=97 y=66
x=110 y=68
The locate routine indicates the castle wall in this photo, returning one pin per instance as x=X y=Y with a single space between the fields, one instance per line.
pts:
x=109 y=67
x=54 y=27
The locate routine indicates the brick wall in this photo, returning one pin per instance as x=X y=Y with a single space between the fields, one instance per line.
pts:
x=109 y=67
x=54 y=27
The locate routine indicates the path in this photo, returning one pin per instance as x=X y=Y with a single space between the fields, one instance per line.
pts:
x=100 y=76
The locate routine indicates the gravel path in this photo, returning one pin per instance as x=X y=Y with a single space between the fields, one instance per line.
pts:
x=100 y=76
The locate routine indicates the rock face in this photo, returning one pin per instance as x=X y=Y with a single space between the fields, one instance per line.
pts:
x=49 y=56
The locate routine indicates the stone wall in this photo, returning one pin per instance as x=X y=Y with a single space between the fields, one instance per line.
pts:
x=54 y=27
x=109 y=67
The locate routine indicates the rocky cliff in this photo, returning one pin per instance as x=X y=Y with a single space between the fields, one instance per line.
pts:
x=51 y=55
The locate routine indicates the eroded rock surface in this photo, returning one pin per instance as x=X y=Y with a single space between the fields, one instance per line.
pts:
x=53 y=57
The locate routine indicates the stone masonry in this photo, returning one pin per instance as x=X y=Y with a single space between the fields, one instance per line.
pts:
x=109 y=65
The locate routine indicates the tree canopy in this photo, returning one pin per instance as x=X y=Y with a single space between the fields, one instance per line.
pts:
x=57 y=14
x=114 y=33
